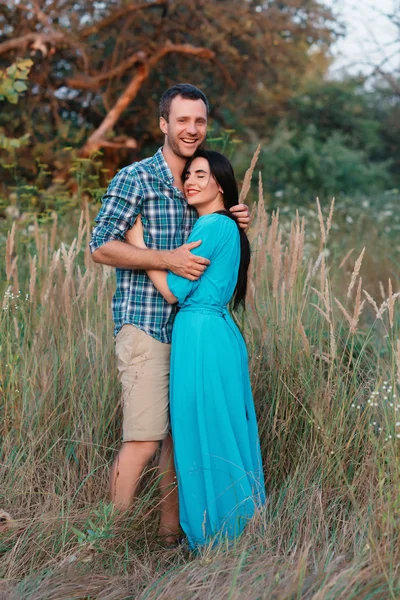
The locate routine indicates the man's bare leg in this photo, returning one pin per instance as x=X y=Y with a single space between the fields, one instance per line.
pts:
x=127 y=469
x=169 y=521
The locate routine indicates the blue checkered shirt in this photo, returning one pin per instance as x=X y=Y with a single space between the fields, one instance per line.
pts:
x=146 y=187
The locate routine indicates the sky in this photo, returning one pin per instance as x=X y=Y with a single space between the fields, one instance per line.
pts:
x=370 y=39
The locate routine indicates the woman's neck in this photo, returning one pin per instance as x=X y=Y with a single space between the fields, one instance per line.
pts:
x=211 y=207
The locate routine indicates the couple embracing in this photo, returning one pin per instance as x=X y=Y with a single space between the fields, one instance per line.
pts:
x=172 y=226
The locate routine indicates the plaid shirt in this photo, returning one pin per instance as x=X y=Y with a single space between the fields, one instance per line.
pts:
x=146 y=187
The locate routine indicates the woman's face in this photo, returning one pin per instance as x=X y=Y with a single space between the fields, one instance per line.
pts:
x=201 y=189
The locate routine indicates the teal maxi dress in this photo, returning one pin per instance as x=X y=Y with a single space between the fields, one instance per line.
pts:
x=214 y=428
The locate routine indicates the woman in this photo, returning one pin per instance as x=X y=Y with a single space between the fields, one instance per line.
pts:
x=214 y=428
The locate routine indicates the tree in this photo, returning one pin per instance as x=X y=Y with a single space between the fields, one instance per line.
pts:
x=101 y=67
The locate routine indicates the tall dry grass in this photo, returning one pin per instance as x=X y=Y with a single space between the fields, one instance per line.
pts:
x=325 y=366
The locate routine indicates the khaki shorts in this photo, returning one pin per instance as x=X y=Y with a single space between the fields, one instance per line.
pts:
x=143 y=365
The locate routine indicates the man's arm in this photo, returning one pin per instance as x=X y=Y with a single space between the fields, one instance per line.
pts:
x=180 y=261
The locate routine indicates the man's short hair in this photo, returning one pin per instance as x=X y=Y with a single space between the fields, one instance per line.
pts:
x=186 y=91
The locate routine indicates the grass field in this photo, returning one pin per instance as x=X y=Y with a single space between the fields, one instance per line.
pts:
x=322 y=327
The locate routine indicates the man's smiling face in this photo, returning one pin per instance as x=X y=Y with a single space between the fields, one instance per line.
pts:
x=186 y=128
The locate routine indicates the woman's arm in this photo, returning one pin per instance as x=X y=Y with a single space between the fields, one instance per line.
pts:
x=159 y=280
x=158 y=277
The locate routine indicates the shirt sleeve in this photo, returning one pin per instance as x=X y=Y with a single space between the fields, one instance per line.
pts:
x=121 y=204
x=206 y=230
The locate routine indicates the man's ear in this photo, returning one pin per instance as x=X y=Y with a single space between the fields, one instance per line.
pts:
x=163 y=125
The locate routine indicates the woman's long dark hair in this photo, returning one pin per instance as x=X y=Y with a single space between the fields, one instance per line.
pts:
x=222 y=171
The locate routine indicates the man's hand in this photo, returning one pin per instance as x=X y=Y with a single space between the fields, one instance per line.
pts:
x=242 y=213
x=182 y=262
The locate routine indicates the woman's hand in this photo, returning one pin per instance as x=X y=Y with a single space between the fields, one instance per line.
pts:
x=134 y=236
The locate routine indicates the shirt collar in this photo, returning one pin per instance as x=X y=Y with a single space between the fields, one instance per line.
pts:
x=161 y=166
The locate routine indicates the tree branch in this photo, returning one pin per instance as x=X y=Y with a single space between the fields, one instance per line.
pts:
x=118 y=14
x=29 y=38
x=92 y=83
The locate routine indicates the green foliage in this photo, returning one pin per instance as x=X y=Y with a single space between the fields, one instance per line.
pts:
x=13 y=80
x=303 y=166
x=12 y=86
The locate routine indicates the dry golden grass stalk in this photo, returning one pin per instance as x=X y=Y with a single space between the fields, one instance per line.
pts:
x=357 y=308
x=382 y=309
x=15 y=276
x=252 y=228
x=260 y=233
x=382 y=290
x=344 y=311
x=332 y=341
x=385 y=305
x=262 y=213
x=16 y=328
x=44 y=297
x=321 y=296
x=89 y=290
x=32 y=280
x=304 y=339
x=319 y=309
x=327 y=297
x=301 y=242
x=355 y=273
x=391 y=304
x=250 y=293
x=249 y=173
x=371 y=301
x=317 y=264
x=286 y=265
x=308 y=276
x=283 y=302
x=330 y=217
x=344 y=259
x=277 y=264
x=322 y=275
x=10 y=244
x=321 y=223
x=272 y=231
x=67 y=297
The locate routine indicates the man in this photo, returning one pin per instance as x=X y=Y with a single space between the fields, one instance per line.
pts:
x=143 y=320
